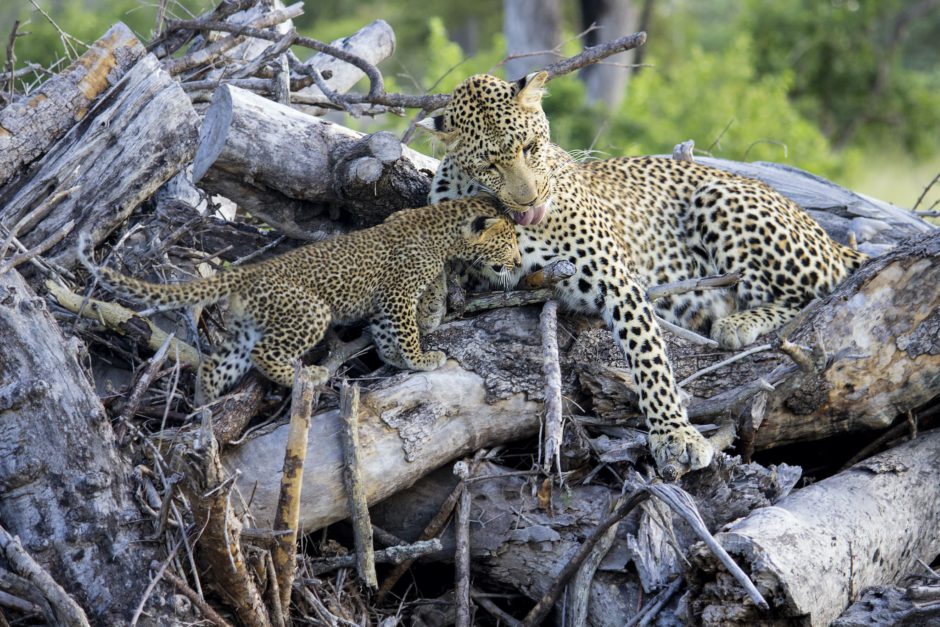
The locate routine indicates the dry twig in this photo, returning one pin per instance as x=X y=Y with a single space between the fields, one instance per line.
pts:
x=288 y=504
x=551 y=369
x=462 y=550
x=355 y=489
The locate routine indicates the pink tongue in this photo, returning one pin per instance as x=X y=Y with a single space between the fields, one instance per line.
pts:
x=530 y=216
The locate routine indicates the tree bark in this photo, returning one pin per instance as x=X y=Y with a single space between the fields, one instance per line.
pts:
x=530 y=26
x=284 y=166
x=28 y=128
x=813 y=552
x=135 y=138
x=64 y=490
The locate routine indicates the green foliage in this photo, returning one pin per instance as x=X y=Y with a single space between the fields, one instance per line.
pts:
x=863 y=70
x=714 y=98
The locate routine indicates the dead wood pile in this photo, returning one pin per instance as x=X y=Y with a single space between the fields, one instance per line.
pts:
x=120 y=502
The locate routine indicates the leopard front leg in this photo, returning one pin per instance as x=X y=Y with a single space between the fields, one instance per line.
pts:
x=396 y=335
x=676 y=445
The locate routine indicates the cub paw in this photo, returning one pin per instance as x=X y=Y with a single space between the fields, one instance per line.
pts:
x=318 y=375
x=679 y=450
x=431 y=360
x=730 y=333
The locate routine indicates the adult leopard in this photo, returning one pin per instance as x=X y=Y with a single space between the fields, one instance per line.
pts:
x=627 y=223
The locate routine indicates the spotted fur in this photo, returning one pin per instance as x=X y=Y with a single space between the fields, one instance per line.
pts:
x=280 y=308
x=627 y=223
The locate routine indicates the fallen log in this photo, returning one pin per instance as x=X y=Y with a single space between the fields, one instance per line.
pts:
x=875 y=337
x=284 y=166
x=815 y=550
x=30 y=126
x=64 y=489
x=408 y=426
x=134 y=138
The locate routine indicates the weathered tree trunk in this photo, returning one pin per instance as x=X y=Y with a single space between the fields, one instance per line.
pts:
x=64 y=490
x=530 y=26
x=813 y=552
x=282 y=165
x=130 y=142
x=881 y=329
x=607 y=82
x=29 y=127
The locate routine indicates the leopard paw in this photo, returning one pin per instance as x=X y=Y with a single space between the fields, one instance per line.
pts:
x=678 y=450
x=733 y=333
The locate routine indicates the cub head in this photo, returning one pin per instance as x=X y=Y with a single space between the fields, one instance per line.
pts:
x=491 y=242
x=497 y=133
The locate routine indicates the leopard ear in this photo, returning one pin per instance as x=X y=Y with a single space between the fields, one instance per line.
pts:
x=529 y=90
x=486 y=228
x=435 y=125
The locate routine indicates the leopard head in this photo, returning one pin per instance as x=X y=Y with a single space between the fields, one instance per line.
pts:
x=497 y=133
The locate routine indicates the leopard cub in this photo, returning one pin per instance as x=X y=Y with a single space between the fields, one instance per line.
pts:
x=388 y=274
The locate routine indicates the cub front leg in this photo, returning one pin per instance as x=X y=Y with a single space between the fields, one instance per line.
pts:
x=432 y=306
x=396 y=336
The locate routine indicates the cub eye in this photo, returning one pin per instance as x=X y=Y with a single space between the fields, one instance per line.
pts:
x=528 y=148
x=490 y=168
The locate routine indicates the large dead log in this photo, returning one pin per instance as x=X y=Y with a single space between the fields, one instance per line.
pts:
x=132 y=140
x=408 y=426
x=878 y=339
x=814 y=551
x=64 y=490
x=283 y=166
x=30 y=126
x=877 y=356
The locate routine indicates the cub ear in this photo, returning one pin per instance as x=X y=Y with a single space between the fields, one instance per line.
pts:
x=486 y=228
x=529 y=90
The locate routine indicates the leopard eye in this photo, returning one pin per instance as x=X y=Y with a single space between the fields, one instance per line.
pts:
x=528 y=148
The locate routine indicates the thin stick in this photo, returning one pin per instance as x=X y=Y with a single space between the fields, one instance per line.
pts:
x=133 y=399
x=538 y=613
x=798 y=355
x=34 y=216
x=487 y=604
x=391 y=555
x=685 y=334
x=288 y=504
x=50 y=241
x=462 y=550
x=204 y=608
x=551 y=369
x=681 y=503
x=253 y=29
x=919 y=198
x=11 y=65
x=725 y=362
x=690 y=285
x=649 y=612
x=355 y=489
x=20 y=561
x=594 y=54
